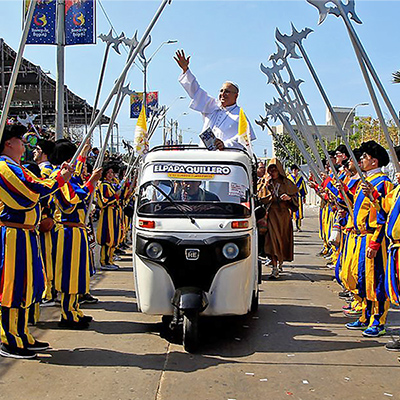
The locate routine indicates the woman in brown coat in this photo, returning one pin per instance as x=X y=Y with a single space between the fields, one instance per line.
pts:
x=279 y=196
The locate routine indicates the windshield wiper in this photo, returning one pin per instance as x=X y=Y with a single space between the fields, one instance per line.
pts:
x=192 y=220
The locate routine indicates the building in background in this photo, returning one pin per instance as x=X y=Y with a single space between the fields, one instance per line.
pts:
x=329 y=131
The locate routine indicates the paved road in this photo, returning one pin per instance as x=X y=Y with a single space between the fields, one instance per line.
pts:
x=295 y=347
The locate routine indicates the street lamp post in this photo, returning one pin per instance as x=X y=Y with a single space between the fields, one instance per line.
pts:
x=175 y=100
x=145 y=63
x=348 y=116
x=189 y=130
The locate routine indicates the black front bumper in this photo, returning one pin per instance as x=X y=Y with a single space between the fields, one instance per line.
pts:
x=195 y=273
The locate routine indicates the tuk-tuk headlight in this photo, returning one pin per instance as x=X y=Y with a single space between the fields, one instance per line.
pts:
x=230 y=251
x=154 y=250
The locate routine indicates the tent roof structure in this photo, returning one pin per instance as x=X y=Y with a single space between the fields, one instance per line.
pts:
x=35 y=93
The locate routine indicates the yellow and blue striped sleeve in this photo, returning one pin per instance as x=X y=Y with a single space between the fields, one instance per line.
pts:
x=21 y=189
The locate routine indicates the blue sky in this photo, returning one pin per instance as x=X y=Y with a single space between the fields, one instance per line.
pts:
x=227 y=41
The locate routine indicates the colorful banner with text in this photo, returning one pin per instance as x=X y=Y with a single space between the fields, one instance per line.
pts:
x=137 y=101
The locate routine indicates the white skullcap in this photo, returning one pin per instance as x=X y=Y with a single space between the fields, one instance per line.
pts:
x=233 y=84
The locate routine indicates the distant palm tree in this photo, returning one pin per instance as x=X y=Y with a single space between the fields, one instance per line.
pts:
x=396 y=77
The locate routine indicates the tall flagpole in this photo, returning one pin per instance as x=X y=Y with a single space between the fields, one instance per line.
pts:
x=17 y=63
x=60 y=69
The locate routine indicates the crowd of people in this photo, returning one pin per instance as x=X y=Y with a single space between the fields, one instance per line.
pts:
x=362 y=242
x=358 y=226
x=47 y=233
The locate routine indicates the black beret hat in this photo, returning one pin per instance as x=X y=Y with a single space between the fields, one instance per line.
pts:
x=375 y=150
x=342 y=149
x=11 y=131
x=64 y=150
x=47 y=146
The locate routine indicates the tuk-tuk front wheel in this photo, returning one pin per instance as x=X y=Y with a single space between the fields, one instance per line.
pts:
x=191 y=331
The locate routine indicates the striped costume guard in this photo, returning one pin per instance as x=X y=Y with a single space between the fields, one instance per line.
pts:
x=72 y=254
x=21 y=264
x=391 y=204
x=369 y=220
x=109 y=226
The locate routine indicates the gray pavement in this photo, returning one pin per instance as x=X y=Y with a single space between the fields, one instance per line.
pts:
x=294 y=347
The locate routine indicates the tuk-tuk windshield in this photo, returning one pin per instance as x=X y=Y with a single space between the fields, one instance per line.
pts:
x=200 y=190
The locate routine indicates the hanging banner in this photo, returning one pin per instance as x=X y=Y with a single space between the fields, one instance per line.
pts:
x=80 y=25
x=152 y=103
x=137 y=101
x=43 y=27
x=136 y=104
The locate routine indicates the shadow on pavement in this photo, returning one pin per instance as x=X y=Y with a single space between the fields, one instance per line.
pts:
x=119 y=306
x=109 y=327
x=113 y=292
x=288 y=275
x=110 y=358
x=299 y=330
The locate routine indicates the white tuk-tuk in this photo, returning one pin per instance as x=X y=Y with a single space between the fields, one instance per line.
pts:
x=195 y=236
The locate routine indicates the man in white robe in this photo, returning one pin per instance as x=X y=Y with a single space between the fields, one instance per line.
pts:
x=220 y=115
